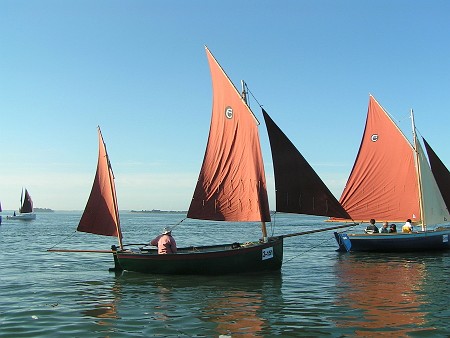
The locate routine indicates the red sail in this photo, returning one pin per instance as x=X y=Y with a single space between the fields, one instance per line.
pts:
x=231 y=185
x=101 y=215
x=383 y=183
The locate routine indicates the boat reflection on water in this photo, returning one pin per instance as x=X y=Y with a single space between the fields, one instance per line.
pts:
x=102 y=311
x=188 y=305
x=381 y=293
x=102 y=299
x=238 y=310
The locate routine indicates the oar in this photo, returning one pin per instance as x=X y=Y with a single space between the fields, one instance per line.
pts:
x=94 y=251
x=318 y=230
x=73 y=250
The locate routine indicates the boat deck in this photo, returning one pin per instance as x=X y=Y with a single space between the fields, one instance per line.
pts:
x=199 y=249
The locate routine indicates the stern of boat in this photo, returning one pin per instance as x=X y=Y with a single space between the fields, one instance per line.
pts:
x=117 y=267
x=343 y=242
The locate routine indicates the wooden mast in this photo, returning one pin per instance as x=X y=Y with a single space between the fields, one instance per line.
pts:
x=419 y=176
x=244 y=97
x=113 y=189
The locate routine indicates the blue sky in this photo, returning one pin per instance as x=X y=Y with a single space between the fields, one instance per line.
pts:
x=138 y=69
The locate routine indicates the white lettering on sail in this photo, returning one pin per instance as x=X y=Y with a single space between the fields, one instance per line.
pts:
x=267 y=253
x=229 y=112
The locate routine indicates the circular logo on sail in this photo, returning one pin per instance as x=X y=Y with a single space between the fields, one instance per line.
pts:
x=229 y=112
x=374 y=137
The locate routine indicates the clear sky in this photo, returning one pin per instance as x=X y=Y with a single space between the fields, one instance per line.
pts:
x=138 y=69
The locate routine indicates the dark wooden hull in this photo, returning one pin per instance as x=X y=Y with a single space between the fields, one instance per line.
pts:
x=206 y=260
x=399 y=242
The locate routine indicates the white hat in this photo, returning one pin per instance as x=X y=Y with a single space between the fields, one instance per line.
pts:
x=166 y=231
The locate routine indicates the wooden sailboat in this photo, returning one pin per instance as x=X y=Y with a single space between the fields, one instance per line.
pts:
x=26 y=208
x=231 y=187
x=391 y=181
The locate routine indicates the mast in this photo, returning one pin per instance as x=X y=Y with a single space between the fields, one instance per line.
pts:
x=21 y=201
x=419 y=175
x=244 y=97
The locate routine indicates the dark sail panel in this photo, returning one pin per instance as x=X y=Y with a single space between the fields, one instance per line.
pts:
x=298 y=188
x=440 y=173
x=27 y=203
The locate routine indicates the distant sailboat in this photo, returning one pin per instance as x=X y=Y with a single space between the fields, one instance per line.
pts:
x=26 y=208
x=392 y=181
x=231 y=187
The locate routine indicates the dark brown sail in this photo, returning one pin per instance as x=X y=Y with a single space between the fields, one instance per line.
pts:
x=298 y=188
x=440 y=173
x=27 y=203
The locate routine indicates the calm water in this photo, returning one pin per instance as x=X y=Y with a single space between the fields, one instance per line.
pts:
x=318 y=292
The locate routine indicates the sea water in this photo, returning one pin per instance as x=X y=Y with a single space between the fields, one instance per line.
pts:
x=318 y=292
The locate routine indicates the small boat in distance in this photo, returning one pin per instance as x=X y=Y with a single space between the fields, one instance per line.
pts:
x=231 y=187
x=26 y=212
x=391 y=181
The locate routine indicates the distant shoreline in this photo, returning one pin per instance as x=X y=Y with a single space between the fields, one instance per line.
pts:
x=43 y=210
x=157 y=211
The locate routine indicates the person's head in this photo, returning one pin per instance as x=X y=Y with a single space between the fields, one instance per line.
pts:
x=408 y=220
x=385 y=224
x=167 y=231
x=372 y=221
x=393 y=226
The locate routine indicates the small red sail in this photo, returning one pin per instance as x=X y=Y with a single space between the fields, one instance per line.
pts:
x=101 y=215
x=232 y=184
x=383 y=183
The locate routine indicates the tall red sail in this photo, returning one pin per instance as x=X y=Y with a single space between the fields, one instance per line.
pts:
x=101 y=215
x=383 y=183
x=231 y=185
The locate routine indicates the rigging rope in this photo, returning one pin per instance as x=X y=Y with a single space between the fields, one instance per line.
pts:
x=250 y=92
x=178 y=223
x=63 y=240
x=305 y=251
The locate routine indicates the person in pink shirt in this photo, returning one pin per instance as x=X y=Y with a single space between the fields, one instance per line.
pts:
x=165 y=242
